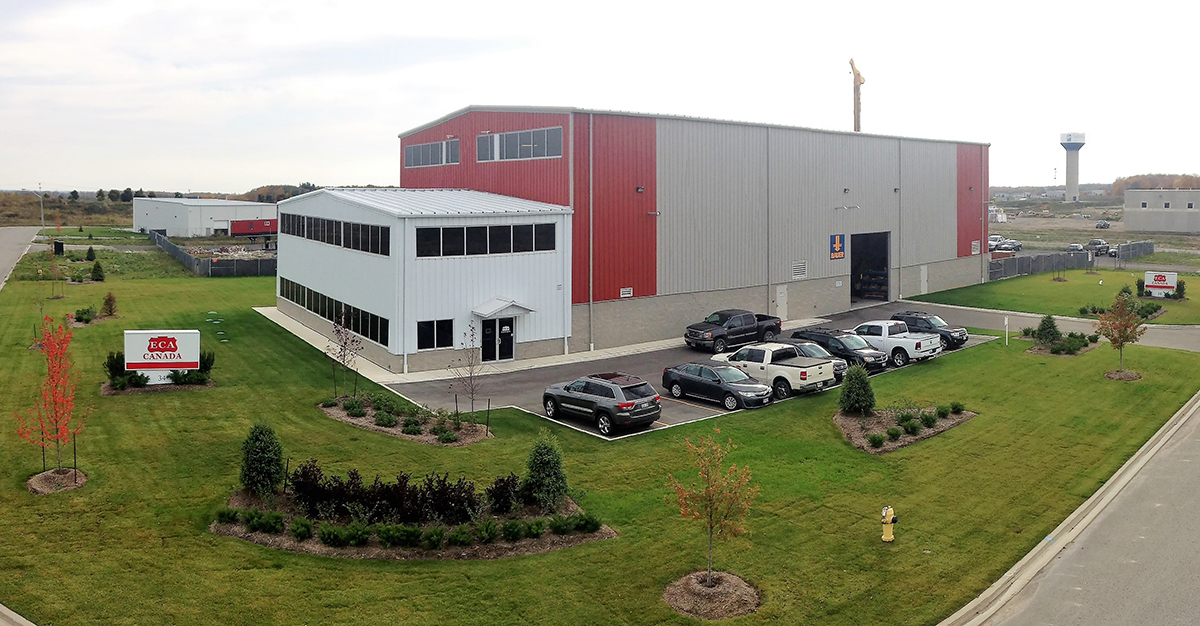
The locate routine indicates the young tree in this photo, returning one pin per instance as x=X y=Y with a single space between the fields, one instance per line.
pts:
x=468 y=370
x=114 y=195
x=127 y=195
x=1120 y=325
x=1047 y=331
x=74 y=195
x=343 y=348
x=545 y=482
x=262 y=461
x=55 y=410
x=109 y=308
x=97 y=272
x=721 y=499
x=857 y=396
x=99 y=195
x=91 y=254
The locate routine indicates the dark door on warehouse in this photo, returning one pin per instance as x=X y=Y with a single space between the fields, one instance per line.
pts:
x=869 y=267
x=497 y=340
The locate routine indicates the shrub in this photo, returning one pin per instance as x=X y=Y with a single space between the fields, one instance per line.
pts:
x=328 y=402
x=333 y=536
x=109 y=307
x=1126 y=290
x=876 y=439
x=194 y=377
x=412 y=430
x=561 y=525
x=452 y=503
x=177 y=376
x=114 y=365
x=207 y=359
x=545 y=481
x=85 y=316
x=120 y=383
x=586 y=522
x=911 y=427
x=460 y=536
x=956 y=407
x=352 y=404
x=270 y=522
x=503 y=493
x=1141 y=287
x=302 y=528
x=513 y=530
x=399 y=535
x=857 y=396
x=448 y=436
x=262 y=460
x=1093 y=338
x=137 y=380
x=359 y=412
x=929 y=420
x=1027 y=331
x=79 y=275
x=387 y=420
x=91 y=254
x=97 y=272
x=432 y=538
x=439 y=428
x=487 y=529
x=894 y=433
x=1180 y=287
x=1047 y=331
x=1056 y=349
x=904 y=416
x=535 y=527
x=251 y=516
x=358 y=533
x=227 y=516
x=943 y=411
x=411 y=421
x=1083 y=310
x=1145 y=310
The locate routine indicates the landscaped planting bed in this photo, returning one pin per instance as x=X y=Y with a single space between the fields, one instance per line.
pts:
x=890 y=424
x=384 y=412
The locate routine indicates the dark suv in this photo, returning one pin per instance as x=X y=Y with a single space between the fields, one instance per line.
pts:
x=611 y=399
x=952 y=336
x=845 y=345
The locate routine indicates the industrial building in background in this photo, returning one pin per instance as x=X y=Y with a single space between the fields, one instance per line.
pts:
x=1073 y=143
x=1162 y=210
x=657 y=219
x=198 y=217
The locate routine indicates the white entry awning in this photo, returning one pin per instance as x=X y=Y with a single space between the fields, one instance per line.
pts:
x=501 y=307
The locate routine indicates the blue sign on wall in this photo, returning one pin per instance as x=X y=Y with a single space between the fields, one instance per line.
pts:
x=837 y=246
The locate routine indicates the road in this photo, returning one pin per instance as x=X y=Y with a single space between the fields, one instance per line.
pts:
x=14 y=240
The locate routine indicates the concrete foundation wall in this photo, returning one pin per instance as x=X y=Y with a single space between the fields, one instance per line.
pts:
x=940 y=276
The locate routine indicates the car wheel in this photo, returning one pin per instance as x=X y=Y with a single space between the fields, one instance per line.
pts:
x=719 y=346
x=676 y=390
x=604 y=424
x=768 y=335
x=551 y=408
x=783 y=389
x=945 y=344
x=730 y=403
x=899 y=357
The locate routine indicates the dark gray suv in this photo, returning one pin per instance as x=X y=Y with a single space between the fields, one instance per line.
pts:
x=609 y=400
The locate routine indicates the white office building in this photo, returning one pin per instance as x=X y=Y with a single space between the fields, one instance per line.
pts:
x=195 y=217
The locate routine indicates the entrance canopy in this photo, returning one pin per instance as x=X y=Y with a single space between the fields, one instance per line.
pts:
x=501 y=307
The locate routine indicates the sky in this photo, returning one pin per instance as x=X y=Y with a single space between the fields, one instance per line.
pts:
x=226 y=96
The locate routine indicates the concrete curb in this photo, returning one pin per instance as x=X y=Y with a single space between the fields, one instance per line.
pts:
x=9 y=618
x=982 y=608
x=1064 y=318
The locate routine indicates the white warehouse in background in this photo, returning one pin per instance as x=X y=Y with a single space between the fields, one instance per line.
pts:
x=415 y=270
x=196 y=217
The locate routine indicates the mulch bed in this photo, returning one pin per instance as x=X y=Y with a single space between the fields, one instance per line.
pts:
x=467 y=435
x=729 y=597
x=856 y=428
x=1036 y=349
x=499 y=549
x=107 y=389
x=1125 y=375
x=55 y=481
x=95 y=320
x=1059 y=279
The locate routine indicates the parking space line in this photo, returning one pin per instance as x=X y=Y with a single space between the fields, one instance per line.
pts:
x=695 y=406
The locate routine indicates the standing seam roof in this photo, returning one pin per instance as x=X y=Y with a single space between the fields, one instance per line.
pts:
x=437 y=202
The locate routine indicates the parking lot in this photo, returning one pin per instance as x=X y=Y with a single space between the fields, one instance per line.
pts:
x=523 y=389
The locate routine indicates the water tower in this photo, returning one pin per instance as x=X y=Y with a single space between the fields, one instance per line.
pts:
x=1072 y=142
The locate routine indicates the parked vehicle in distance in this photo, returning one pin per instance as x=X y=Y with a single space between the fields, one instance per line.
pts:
x=922 y=322
x=894 y=339
x=1099 y=246
x=782 y=366
x=1112 y=251
x=845 y=345
x=1008 y=245
x=732 y=327
x=993 y=240
x=722 y=383
x=813 y=350
x=609 y=400
x=1075 y=247
x=1102 y=224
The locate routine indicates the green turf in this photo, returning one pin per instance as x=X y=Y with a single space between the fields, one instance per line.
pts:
x=1040 y=293
x=1171 y=258
x=106 y=235
x=117 y=265
x=131 y=547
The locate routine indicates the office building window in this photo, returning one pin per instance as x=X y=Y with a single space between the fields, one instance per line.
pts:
x=541 y=143
x=435 y=334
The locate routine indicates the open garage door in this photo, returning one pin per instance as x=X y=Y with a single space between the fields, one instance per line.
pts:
x=869 y=267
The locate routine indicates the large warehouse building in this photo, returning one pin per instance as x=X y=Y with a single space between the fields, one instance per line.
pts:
x=690 y=216
x=1162 y=210
x=195 y=217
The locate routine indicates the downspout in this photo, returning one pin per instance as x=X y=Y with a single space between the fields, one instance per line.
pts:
x=982 y=218
x=591 y=240
x=899 y=222
x=768 y=246
x=567 y=236
x=402 y=336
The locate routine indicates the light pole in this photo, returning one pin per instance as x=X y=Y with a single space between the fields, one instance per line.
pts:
x=41 y=203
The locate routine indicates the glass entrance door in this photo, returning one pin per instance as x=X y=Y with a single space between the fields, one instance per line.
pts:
x=504 y=344
x=488 y=343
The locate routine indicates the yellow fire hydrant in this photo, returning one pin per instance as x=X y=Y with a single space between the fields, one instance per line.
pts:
x=889 y=520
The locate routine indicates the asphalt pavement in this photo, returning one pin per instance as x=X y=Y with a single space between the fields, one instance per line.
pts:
x=14 y=240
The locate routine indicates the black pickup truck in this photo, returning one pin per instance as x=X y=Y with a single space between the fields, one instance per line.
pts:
x=731 y=327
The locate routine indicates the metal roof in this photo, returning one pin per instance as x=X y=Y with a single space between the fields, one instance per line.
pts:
x=435 y=202
x=206 y=201
x=568 y=110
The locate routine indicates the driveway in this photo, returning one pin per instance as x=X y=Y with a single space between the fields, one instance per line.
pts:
x=14 y=241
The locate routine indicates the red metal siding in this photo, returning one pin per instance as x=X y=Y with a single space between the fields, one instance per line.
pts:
x=542 y=180
x=972 y=188
x=626 y=231
x=579 y=221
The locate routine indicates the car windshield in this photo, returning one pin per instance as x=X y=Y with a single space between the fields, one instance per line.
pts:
x=717 y=318
x=634 y=392
x=854 y=342
x=731 y=374
x=937 y=321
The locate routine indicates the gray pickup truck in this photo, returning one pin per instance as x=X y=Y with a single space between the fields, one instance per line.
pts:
x=732 y=327
x=783 y=367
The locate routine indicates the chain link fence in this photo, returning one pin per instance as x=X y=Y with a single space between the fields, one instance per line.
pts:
x=1053 y=262
x=215 y=267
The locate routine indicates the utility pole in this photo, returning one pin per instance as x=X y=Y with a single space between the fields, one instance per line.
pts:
x=858 y=81
x=41 y=204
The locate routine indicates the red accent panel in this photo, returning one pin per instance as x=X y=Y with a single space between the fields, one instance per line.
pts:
x=541 y=180
x=626 y=231
x=253 y=227
x=972 y=187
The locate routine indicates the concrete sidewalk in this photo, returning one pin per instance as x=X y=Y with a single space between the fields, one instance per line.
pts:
x=381 y=375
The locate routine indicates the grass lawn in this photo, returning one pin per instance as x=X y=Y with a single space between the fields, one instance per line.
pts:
x=117 y=265
x=106 y=235
x=132 y=546
x=1039 y=293
x=1171 y=258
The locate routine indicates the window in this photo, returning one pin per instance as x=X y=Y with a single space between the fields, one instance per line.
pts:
x=869 y=331
x=543 y=237
x=363 y=237
x=477 y=240
x=1166 y=205
x=1143 y=205
x=523 y=144
x=429 y=242
x=755 y=355
x=485 y=148
x=453 y=243
x=690 y=369
x=452 y=152
x=523 y=238
x=1191 y=205
x=435 y=334
x=740 y=355
x=710 y=375
x=424 y=154
x=500 y=239
x=356 y=320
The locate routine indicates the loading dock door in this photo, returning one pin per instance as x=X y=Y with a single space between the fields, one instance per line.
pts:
x=869 y=266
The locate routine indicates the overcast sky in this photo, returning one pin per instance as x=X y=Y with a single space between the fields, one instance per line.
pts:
x=225 y=96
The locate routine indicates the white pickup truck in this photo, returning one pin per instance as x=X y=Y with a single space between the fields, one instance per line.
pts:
x=892 y=338
x=781 y=366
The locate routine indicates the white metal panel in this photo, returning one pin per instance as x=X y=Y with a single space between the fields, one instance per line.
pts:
x=430 y=202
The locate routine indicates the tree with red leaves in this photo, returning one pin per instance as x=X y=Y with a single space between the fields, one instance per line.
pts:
x=1121 y=325
x=721 y=499
x=56 y=423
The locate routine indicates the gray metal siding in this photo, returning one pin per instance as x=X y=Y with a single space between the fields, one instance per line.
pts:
x=928 y=202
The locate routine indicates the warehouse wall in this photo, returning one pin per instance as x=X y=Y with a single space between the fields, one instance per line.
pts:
x=941 y=275
x=1162 y=220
